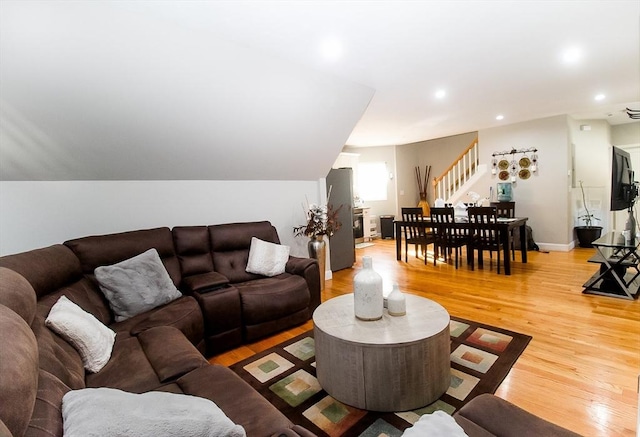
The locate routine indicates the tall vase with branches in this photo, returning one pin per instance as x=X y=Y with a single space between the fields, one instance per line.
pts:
x=321 y=220
x=422 y=189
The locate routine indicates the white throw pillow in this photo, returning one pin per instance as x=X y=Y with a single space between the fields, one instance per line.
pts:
x=267 y=259
x=108 y=412
x=91 y=338
x=136 y=285
x=436 y=424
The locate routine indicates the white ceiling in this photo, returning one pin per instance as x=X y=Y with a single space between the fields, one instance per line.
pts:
x=241 y=90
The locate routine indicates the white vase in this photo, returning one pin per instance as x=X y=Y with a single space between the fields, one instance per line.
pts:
x=367 y=292
x=396 y=302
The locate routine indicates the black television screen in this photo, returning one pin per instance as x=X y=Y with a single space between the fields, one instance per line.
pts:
x=623 y=190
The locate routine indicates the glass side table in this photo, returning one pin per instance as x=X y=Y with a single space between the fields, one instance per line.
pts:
x=618 y=275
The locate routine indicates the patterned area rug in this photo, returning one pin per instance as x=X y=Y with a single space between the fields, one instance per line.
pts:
x=481 y=357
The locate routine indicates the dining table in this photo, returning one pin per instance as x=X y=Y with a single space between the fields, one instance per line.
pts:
x=504 y=225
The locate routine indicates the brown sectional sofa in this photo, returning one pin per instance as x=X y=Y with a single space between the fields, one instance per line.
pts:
x=161 y=349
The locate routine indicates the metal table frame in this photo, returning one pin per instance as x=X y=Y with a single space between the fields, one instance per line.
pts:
x=619 y=274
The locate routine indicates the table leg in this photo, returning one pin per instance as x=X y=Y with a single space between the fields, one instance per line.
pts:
x=398 y=241
x=523 y=242
x=506 y=250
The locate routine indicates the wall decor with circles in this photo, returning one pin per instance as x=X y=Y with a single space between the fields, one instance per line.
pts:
x=509 y=165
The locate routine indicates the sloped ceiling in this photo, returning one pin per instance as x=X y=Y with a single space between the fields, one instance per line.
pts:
x=93 y=91
x=236 y=90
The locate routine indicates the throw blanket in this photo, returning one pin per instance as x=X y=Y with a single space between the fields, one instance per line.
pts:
x=109 y=412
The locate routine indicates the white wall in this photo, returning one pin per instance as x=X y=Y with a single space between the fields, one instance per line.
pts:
x=544 y=197
x=591 y=144
x=407 y=158
x=38 y=214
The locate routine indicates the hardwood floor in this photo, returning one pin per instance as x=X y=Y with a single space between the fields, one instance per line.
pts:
x=581 y=370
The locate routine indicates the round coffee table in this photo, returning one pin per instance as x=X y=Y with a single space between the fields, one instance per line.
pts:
x=392 y=364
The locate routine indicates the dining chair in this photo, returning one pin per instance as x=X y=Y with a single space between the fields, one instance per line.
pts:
x=507 y=210
x=447 y=236
x=415 y=232
x=485 y=234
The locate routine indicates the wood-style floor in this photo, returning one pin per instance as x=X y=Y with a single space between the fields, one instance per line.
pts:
x=582 y=367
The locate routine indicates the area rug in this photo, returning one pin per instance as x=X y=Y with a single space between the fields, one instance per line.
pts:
x=481 y=357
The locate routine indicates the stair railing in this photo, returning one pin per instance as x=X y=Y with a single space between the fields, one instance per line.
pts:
x=462 y=168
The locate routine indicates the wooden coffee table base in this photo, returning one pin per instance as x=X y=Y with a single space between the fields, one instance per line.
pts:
x=368 y=366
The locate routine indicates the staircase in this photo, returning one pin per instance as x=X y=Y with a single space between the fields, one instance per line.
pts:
x=454 y=183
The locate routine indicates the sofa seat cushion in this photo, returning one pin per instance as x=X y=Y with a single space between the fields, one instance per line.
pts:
x=183 y=314
x=240 y=402
x=128 y=369
x=46 y=419
x=268 y=299
x=145 y=362
x=57 y=356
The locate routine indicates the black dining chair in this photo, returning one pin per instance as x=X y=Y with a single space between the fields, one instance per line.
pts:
x=415 y=232
x=507 y=210
x=484 y=232
x=447 y=236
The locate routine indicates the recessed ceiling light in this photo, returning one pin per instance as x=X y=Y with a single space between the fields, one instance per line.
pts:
x=599 y=97
x=572 y=55
x=440 y=94
x=499 y=117
x=331 y=49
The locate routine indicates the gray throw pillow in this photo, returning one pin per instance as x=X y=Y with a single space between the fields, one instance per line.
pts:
x=108 y=412
x=136 y=285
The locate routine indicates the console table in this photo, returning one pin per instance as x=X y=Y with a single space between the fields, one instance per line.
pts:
x=618 y=273
x=392 y=364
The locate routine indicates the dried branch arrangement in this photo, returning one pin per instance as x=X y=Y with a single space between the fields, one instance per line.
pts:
x=422 y=183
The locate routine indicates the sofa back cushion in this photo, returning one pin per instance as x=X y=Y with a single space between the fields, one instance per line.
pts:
x=46 y=269
x=230 y=244
x=193 y=249
x=104 y=250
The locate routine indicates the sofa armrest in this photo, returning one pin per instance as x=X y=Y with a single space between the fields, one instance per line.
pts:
x=500 y=417
x=296 y=431
x=170 y=353
x=307 y=268
x=204 y=282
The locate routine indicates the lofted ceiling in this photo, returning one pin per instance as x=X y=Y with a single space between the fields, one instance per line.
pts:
x=268 y=90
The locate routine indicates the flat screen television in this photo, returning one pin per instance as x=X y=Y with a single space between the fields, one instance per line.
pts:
x=623 y=188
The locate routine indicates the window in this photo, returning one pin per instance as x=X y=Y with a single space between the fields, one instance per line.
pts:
x=372 y=181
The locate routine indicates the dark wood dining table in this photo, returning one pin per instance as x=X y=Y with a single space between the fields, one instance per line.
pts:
x=505 y=225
